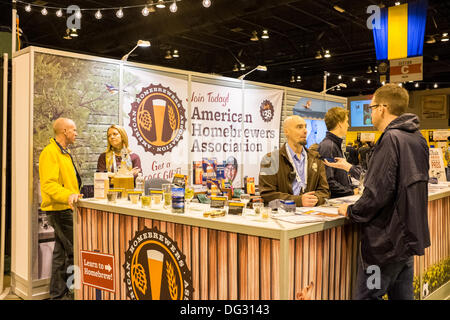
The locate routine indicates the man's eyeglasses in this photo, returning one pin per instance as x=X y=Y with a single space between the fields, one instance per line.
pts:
x=374 y=106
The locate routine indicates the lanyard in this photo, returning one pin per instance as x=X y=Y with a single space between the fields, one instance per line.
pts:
x=297 y=176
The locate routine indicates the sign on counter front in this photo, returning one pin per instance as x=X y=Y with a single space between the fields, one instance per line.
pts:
x=97 y=270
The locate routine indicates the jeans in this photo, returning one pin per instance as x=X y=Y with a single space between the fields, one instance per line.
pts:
x=62 y=223
x=396 y=279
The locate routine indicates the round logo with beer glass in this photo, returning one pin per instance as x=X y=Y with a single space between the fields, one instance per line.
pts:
x=157 y=119
x=267 y=111
x=155 y=269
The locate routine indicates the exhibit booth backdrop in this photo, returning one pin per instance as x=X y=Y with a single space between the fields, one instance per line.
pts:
x=172 y=117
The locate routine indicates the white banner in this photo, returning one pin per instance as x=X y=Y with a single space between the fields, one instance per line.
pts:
x=168 y=137
x=154 y=111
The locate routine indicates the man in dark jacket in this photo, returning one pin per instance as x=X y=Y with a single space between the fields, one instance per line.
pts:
x=352 y=154
x=293 y=172
x=336 y=120
x=392 y=210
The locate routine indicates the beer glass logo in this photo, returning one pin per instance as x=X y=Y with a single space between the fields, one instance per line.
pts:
x=157 y=119
x=155 y=269
x=266 y=110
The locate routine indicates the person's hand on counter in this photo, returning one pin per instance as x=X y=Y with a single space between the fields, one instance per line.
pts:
x=340 y=163
x=342 y=210
x=73 y=198
x=309 y=199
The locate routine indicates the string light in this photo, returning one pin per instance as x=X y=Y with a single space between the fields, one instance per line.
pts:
x=98 y=15
x=28 y=8
x=119 y=13
x=206 y=3
x=59 y=13
x=78 y=14
x=44 y=11
x=173 y=7
x=145 y=11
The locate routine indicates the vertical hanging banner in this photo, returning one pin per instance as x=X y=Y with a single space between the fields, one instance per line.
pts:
x=225 y=134
x=154 y=116
x=400 y=30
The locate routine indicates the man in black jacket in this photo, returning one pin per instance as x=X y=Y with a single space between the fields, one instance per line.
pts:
x=336 y=120
x=392 y=210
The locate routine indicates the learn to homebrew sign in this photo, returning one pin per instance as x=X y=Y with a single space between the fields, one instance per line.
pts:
x=97 y=270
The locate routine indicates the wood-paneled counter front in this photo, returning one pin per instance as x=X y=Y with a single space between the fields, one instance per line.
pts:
x=241 y=257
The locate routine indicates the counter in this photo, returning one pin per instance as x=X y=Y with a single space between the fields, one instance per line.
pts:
x=233 y=257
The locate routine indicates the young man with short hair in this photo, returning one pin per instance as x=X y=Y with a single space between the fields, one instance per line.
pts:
x=336 y=120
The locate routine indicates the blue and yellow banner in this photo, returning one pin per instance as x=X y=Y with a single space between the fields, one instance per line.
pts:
x=401 y=31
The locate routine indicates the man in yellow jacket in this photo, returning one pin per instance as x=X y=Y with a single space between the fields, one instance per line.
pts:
x=60 y=189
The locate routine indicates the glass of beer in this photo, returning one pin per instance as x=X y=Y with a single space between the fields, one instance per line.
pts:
x=265 y=212
x=167 y=194
x=155 y=268
x=145 y=201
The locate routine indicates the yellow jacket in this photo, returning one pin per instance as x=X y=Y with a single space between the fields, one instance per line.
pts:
x=57 y=176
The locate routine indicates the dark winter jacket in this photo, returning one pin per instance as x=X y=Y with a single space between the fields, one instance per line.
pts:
x=338 y=179
x=393 y=208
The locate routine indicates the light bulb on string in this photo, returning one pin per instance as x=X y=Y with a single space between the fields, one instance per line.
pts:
x=98 y=15
x=44 y=11
x=173 y=7
x=78 y=14
x=28 y=8
x=119 y=13
x=145 y=11
x=59 y=13
x=206 y=3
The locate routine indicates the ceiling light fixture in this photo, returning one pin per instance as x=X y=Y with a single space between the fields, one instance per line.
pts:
x=265 y=34
x=339 y=77
x=444 y=37
x=140 y=43
x=235 y=68
x=318 y=55
x=98 y=15
x=259 y=67
x=73 y=33
x=369 y=69
x=416 y=85
x=119 y=13
x=67 y=36
x=435 y=85
x=327 y=54
x=397 y=3
x=175 y=53
x=59 y=13
x=28 y=8
x=173 y=7
x=242 y=68
x=292 y=79
x=430 y=39
x=368 y=81
x=206 y=3
x=353 y=79
x=254 y=36
x=161 y=4
x=299 y=79
x=168 y=55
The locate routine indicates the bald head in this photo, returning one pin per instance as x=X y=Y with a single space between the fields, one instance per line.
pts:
x=295 y=131
x=65 y=131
